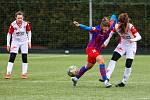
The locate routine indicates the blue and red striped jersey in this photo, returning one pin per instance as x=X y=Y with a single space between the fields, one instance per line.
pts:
x=98 y=37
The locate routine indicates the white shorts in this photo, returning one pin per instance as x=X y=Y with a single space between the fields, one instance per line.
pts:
x=16 y=45
x=128 y=49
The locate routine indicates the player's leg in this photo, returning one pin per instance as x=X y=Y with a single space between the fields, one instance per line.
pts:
x=127 y=73
x=102 y=69
x=24 y=66
x=82 y=70
x=24 y=51
x=90 y=63
x=129 y=60
x=10 y=65
x=118 y=52
x=112 y=63
x=13 y=52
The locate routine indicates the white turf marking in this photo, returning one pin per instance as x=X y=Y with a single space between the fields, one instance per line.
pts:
x=49 y=56
x=51 y=81
x=143 y=98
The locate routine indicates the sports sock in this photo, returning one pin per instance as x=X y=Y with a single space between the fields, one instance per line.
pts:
x=9 y=67
x=24 y=68
x=103 y=71
x=81 y=72
x=110 y=68
x=127 y=73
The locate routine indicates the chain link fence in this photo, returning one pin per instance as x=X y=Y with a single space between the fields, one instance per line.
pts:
x=51 y=21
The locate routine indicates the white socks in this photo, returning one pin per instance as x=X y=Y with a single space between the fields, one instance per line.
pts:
x=24 y=68
x=9 y=67
x=127 y=73
x=110 y=68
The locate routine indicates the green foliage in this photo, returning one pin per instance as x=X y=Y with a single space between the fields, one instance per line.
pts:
x=51 y=20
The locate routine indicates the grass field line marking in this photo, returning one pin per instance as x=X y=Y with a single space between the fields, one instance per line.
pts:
x=42 y=81
x=143 y=98
x=49 y=56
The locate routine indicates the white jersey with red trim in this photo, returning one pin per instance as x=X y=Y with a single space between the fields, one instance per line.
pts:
x=19 y=33
x=130 y=33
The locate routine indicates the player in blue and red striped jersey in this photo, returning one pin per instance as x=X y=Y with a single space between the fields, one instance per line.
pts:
x=99 y=34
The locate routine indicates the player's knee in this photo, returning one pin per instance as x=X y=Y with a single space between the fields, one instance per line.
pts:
x=89 y=66
x=12 y=57
x=24 y=58
x=115 y=56
x=100 y=60
x=129 y=63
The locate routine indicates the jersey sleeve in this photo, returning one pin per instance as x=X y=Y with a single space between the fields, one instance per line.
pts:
x=28 y=28
x=93 y=30
x=135 y=33
x=11 y=29
x=133 y=30
x=88 y=28
x=84 y=27
x=113 y=21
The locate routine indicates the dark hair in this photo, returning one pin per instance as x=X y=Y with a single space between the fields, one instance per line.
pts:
x=105 y=22
x=19 y=13
x=124 y=19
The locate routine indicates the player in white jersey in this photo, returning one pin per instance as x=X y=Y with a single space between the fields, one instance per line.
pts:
x=18 y=37
x=127 y=46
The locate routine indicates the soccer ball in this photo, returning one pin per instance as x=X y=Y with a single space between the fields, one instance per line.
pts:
x=72 y=71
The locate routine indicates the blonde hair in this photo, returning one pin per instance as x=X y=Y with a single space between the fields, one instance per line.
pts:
x=105 y=22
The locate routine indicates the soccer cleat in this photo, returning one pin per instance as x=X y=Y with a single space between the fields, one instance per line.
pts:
x=24 y=76
x=107 y=84
x=7 y=76
x=121 y=84
x=101 y=80
x=74 y=80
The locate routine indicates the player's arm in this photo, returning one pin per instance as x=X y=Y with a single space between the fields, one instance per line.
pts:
x=8 y=41
x=28 y=29
x=110 y=35
x=113 y=21
x=84 y=27
x=10 y=31
x=108 y=39
x=136 y=35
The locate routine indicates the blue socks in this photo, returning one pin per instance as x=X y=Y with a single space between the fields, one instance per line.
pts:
x=103 y=71
x=81 y=72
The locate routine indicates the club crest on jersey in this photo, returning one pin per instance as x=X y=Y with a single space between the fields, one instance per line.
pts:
x=94 y=51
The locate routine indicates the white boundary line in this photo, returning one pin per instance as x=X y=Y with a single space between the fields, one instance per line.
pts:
x=42 y=81
x=49 y=56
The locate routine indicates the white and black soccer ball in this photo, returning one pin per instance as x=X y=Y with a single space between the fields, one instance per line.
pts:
x=72 y=71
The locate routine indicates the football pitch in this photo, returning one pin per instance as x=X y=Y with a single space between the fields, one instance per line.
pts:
x=48 y=79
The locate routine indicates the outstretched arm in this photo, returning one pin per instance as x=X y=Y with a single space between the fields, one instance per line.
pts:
x=84 y=27
x=113 y=21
